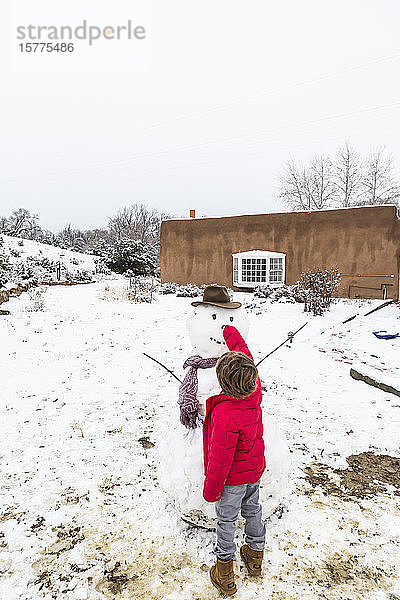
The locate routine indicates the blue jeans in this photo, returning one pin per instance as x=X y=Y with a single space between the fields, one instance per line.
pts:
x=235 y=499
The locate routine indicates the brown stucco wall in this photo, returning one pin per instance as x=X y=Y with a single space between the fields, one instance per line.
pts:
x=359 y=241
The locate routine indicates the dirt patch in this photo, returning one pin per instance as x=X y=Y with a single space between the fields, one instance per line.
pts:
x=108 y=484
x=121 y=565
x=381 y=467
x=115 y=580
x=67 y=538
x=12 y=513
x=48 y=577
x=71 y=496
x=346 y=570
x=38 y=525
x=367 y=475
x=146 y=443
x=117 y=430
x=153 y=576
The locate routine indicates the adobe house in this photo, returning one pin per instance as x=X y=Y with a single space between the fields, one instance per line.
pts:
x=272 y=249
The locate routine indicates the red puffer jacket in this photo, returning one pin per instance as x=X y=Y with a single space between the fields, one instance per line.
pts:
x=232 y=434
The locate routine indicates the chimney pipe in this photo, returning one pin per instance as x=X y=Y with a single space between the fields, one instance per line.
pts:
x=192 y=214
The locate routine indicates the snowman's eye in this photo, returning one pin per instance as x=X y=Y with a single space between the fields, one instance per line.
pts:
x=214 y=317
x=231 y=319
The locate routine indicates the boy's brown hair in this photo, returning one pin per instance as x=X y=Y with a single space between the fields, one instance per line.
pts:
x=237 y=374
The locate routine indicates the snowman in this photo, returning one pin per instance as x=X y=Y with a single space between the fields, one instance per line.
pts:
x=181 y=472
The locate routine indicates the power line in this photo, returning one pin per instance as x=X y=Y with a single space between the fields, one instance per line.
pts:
x=281 y=89
x=244 y=155
x=226 y=139
x=253 y=97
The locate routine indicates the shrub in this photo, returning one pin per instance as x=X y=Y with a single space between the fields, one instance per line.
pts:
x=318 y=287
x=168 y=288
x=25 y=272
x=81 y=276
x=5 y=268
x=37 y=301
x=44 y=262
x=283 y=293
x=134 y=255
x=101 y=267
x=34 y=270
x=189 y=291
x=263 y=291
x=141 y=289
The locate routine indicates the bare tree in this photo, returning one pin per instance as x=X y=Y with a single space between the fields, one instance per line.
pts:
x=379 y=185
x=310 y=188
x=136 y=222
x=94 y=236
x=147 y=223
x=321 y=179
x=21 y=223
x=123 y=223
x=294 y=190
x=3 y=224
x=70 y=238
x=347 y=169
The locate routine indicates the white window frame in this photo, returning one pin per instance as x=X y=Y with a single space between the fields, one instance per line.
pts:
x=235 y=270
x=258 y=267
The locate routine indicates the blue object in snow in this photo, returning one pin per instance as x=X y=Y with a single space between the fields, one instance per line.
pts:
x=384 y=335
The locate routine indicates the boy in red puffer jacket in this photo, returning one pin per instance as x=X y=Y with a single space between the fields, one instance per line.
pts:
x=234 y=460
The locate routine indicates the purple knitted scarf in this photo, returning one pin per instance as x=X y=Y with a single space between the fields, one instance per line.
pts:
x=188 y=402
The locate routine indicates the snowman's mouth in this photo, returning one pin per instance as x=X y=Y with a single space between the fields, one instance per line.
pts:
x=216 y=341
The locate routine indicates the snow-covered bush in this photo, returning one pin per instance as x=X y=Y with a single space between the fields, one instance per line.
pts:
x=168 y=288
x=33 y=270
x=43 y=267
x=263 y=291
x=141 y=289
x=135 y=255
x=283 y=293
x=130 y=275
x=48 y=265
x=5 y=267
x=36 y=299
x=189 y=291
x=80 y=276
x=319 y=287
x=25 y=272
x=100 y=267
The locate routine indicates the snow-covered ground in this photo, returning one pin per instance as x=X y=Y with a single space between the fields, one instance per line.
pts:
x=36 y=249
x=83 y=411
x=69 y=260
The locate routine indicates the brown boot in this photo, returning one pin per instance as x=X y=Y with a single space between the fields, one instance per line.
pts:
x=252 y=559
x=222 y=577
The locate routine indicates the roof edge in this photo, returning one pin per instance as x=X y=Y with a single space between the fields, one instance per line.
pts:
x=294 y=212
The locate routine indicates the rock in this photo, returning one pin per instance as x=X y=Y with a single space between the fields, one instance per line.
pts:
x=146 y=443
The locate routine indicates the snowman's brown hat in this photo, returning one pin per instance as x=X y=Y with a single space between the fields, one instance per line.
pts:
x=217 y=295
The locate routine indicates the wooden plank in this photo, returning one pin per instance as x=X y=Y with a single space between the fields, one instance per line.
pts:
x=370 y=381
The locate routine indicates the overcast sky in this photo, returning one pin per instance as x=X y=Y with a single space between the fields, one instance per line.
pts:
x=201 y=114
